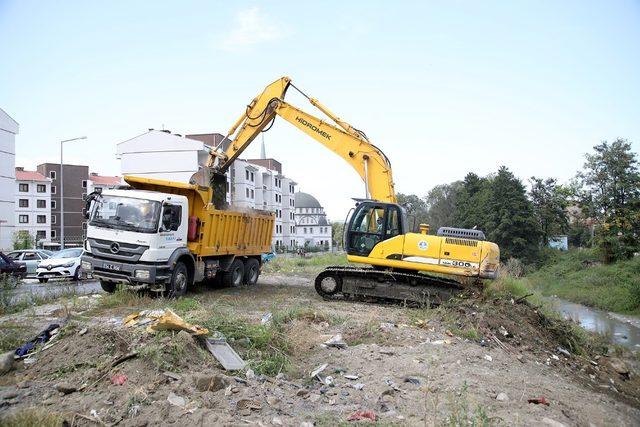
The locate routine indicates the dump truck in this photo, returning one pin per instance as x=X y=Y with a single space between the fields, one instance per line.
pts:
x=164 y=236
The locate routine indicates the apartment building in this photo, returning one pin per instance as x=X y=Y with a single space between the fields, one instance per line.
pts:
x=8 y=132
x=76 y=181
x=312 y=227
x=33 y=205
x=251 y=184
x=102 y=182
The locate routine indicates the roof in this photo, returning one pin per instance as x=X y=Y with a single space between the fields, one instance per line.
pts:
x=322 y=220
x=105 y=180
x=30 y=176
x=305 y=200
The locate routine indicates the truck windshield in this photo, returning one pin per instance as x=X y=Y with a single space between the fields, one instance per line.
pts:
x=126 y=213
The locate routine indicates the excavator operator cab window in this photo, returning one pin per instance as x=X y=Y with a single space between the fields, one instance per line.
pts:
x=370 y=224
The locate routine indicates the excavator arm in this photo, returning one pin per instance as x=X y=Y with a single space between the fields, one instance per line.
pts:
x=347 y=142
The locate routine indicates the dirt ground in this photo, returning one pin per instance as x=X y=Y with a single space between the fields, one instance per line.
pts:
x=476 y=362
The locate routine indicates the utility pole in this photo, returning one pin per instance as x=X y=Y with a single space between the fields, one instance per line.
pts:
x=62 y=188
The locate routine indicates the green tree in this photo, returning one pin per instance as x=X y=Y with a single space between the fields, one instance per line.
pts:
x=441 y=204
x=471 y=203
x=611 y=197
x=550 y=202
x=23 y=240
x=510 y=220
x=337 y=231
x=416 y=207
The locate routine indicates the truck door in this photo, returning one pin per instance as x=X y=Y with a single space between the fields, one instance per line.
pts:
x=173 y=227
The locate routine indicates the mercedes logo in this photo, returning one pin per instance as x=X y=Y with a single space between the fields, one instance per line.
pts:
x=115 y=248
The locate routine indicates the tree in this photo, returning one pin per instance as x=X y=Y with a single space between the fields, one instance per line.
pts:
x=416 y=207
x=471 y=203
x=510 y=221
x=549 y=207
x=441 y=204
x=23 y=240
x=337 y=231
x=611 y=197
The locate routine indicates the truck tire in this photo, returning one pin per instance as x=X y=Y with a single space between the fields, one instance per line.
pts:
x=177 y=286
x=235 y=275
x=251 y=271
x=109 y=287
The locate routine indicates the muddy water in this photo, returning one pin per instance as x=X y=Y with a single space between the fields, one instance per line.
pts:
x=622 y=330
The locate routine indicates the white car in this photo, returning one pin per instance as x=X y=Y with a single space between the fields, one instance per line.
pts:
x=62 y=264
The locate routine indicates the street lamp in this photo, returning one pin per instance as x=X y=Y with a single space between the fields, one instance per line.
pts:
x=62 y=189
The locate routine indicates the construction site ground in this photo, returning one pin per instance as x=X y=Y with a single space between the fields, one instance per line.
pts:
x=477 y=361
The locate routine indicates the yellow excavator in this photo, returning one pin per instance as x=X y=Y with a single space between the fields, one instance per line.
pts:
x=376 y=234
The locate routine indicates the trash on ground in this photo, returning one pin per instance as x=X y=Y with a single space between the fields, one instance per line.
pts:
x=43 y=337
x=336 y=341
x=118 y=379
x=83 y=331
x=328 y=380
x=222 y=351
x=172 y=375
x=539 y=401
x=385 y=326
x=487 y=357
x=162 y=320
x=503 y=331
x=502 y=397
x=412 y=380
x=362 y=415
x=358 y=386
x=250 y=374
x=266 y=318
x=351 y=377
x=176 y=400
x=318 y=370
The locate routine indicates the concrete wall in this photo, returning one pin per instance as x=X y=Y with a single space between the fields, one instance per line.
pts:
x=8 y=131
x=33 y=211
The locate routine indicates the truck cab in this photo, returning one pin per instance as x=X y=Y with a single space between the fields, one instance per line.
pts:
x=134 y=237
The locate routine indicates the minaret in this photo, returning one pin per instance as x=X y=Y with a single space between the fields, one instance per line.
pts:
x=263 y=154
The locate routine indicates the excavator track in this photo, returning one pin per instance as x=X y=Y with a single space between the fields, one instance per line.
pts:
x=345 y=282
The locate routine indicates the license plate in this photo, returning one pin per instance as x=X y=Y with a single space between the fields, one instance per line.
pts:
x=111 y=266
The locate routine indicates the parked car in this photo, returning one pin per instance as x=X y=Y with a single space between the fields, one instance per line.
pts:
x=62 y=264
x=13 y=268
x=31 y=257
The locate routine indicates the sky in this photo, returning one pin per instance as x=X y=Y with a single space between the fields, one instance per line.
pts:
x=442 y=87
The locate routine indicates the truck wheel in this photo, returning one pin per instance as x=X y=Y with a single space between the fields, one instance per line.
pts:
x=234 y=277
x=109 y=287
x=179 y=280
x=251 y=271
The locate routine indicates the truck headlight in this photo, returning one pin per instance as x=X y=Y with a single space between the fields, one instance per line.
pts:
x=86 y=266
x=142 y=274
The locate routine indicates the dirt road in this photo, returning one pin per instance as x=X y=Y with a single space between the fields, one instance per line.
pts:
x=408 y=366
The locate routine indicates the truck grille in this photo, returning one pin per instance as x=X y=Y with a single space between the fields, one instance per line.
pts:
x=126 y=251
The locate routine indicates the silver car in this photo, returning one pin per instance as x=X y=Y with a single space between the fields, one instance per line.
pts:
x=31 y=257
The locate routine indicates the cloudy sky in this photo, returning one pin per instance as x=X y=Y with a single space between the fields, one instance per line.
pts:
x=443 y=88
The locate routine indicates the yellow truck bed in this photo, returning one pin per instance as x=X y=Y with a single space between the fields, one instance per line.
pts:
x=219 y=232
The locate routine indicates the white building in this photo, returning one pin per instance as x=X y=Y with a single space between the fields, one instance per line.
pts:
x=33 y=205
x=97 y=182
x=251 y=184
x=312 y=227
x=8 y=132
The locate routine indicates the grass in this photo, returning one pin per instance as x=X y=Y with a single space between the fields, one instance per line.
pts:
x=304 y=266
x=13 y=335
x=577 y=276
x=462 y=413
x=33 y=417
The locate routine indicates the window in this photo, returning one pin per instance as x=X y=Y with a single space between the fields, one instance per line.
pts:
x=247 y=192
x=304 y=230
x=23 y=188
x=41 y=188
x=84 y=183
x=23 y=203
x=42 y=219
x=171 y=217
x=310 y=230
x=53 y=219
x=41 y=204
x=252 y=194
x=53 y=189
x=98 y=189
x=23 y=219
x=41 y=234
x=52 y=174
x=53 y=233
x=53 y=204
x=246 y=173
x=30 y=256
x=252 y=177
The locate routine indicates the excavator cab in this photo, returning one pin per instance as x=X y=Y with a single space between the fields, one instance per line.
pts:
x=371 y=223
